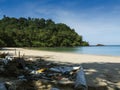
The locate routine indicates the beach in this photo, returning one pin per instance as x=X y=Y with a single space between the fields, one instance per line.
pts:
x=66 y=57
x=99 y=70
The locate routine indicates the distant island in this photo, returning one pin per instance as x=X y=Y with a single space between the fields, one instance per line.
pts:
x=99 y=45
x=37 y=32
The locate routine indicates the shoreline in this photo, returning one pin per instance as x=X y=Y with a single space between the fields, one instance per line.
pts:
x=20 y=49
x=73 y=53
x=66 y=57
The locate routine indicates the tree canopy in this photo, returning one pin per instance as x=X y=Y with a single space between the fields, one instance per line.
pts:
x=37 y=32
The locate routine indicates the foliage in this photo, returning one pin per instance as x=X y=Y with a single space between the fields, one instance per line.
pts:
x=85 y=43
x=36 y=32
x=2 y=44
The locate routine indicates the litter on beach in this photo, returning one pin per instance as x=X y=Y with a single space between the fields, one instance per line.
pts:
x=44 y=71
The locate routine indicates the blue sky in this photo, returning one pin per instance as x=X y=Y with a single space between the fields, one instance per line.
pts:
x=98 y=21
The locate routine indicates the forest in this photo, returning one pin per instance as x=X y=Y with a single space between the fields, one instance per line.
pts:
x=37 y=32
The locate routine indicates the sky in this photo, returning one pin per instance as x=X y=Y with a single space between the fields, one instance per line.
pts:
x=98 y=21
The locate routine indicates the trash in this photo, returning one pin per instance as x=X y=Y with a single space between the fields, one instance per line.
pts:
x=2 y=86
x=22 y=77
x=7 y=59
x=63 y=75
x=2 y=68
x=33 y=72
x=80 y=81
x=27 y=70
x=76 y=68
x=40 y=70
x=64 y=69
x=65 y=81
x=13 y=84
x=55 y=69
x=10 y=85
x=55 y=89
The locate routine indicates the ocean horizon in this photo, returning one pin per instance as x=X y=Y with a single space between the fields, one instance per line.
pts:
x=108 y=50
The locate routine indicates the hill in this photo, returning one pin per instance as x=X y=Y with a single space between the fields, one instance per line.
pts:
x=37 y=32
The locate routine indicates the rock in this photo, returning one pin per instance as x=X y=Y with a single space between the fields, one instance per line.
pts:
x=99 y=45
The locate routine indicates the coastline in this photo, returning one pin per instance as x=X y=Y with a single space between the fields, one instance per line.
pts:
x=66 y=57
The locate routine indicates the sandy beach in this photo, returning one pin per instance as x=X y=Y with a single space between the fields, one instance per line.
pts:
x=99 y=70
x=66 y=57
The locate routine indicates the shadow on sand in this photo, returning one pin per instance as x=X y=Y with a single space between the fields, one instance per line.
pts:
x=102 y=74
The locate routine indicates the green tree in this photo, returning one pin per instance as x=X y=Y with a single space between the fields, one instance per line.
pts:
x=2 y=43
x=37 y=32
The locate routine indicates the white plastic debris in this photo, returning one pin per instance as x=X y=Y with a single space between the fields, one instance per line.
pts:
x=76 y=68
x=33 y=72
x=64 y=69
x=7 y=59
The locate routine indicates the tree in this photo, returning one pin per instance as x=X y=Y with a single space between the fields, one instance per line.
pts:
x=2 y=43
x=37 y=32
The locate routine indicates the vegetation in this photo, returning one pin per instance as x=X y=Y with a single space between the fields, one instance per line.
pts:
x=37 y=32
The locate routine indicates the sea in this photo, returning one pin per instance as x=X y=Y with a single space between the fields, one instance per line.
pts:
x=107 y=50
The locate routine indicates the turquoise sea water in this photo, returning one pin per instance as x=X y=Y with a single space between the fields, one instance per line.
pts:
x=111 y=50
